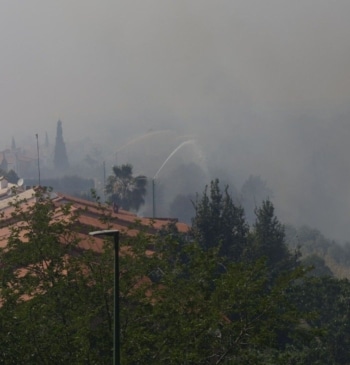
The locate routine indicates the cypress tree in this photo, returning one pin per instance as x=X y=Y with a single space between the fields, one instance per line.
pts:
x=269 y=239
x=60 y=157
x=218 y=221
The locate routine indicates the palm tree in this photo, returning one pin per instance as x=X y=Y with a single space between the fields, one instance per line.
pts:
x=126 y=190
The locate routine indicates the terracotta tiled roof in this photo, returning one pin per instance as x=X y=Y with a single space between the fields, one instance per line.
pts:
x=91 y=212
x=89 y=219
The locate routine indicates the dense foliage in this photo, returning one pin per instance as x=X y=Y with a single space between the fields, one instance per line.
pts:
x=227 y=293
x=219 y=222
x=49 y=311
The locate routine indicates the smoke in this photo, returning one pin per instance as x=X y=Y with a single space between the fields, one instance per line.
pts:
x=261 y=86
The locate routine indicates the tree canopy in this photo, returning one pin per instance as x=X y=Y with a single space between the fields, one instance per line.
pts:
x=126 y=190
x=218 y=221
x=54 y=297
x=205 y=298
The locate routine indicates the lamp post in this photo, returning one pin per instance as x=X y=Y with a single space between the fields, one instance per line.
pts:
x=116 y=326
x=37 y=147
x=153 y=198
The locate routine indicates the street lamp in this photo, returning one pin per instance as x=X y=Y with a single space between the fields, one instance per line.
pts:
x=153 y=198
x=116 y=328
x=37 y=147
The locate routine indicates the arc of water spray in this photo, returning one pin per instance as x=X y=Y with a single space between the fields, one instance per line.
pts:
x=161 y=167
x=140 y=138
x=172 y=154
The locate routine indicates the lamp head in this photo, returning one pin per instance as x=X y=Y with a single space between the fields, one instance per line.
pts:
x=106 y=232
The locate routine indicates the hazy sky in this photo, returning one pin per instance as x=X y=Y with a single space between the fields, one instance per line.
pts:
x=263 y=85
x=58 y=60
x=153 y=61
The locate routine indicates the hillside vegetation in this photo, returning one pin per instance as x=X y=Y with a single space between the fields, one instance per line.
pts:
x=228 y=292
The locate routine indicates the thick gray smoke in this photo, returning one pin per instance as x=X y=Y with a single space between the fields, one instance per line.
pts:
x=260 y=86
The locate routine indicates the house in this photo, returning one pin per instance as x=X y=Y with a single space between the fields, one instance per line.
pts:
x=20 y=161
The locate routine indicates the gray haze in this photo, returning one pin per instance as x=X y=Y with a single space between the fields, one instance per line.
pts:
x=262 y=87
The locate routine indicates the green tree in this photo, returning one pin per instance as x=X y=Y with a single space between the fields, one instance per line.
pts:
x=219 y=222
x=184 y=305
x=318 y=266
x=181 y=302
x=126 y=190
x=327 y=298
x=267 y=239
x=55 y=298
